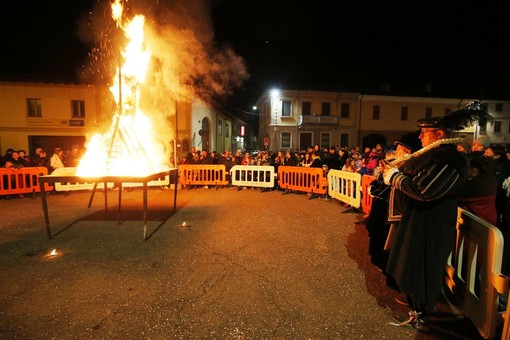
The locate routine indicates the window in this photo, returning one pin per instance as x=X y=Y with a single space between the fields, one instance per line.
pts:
x=77 y=108
x=220 y=127
x=447 y=111
x=499 y=107
x=483 y=128
x=404 y=112
x=497 y=126
x=227 y=130
x=34 y=107
x=286 y=108
x=428 y=112
x=326 y=109
x=285 y=140
x=344 y=110
x=306 y=108
x=325 y=140
x=376 y=112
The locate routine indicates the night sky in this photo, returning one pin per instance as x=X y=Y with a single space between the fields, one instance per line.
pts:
x=459 y=47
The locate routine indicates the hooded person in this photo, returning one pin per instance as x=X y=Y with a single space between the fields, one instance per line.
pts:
x=428 y=182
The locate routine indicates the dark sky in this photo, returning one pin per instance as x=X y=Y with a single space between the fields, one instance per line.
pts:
x=457 y=46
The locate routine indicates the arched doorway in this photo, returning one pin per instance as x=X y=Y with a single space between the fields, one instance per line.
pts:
x=372 y=140
x=205 y=134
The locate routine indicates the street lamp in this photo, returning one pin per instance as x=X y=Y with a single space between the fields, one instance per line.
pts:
x=275 y=104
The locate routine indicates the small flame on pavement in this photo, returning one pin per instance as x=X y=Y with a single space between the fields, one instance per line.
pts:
x=54 y=252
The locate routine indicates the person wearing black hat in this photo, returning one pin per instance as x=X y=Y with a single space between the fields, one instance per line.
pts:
x=429 y=181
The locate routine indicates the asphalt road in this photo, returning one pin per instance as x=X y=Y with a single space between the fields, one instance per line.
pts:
x=228 y=264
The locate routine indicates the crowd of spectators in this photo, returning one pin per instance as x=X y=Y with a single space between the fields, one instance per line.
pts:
x=485 y=193
x=334 y=157
x=16 y=159
x=492 y=170
x=19 y=159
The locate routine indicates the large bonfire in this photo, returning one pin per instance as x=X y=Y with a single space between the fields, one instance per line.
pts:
x=129 y=147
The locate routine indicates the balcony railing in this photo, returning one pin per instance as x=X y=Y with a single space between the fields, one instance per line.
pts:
x=312 y=119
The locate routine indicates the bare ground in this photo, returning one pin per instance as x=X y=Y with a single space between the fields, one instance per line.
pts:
x=245 y=265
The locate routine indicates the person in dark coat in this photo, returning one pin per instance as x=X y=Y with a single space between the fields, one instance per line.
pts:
x=332 y=159
x=502 y=172
x=316 y=161
x=377 y=224
x=478 y=193
x=426 y=233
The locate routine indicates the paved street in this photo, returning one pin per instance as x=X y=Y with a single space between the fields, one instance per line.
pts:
x=228 y=264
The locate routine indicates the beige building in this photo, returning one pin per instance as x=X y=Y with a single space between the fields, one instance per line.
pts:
x=295 y=119
x=51 y=115
x=48 y=115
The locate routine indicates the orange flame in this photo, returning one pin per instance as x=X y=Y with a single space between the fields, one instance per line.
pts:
x=128 y=149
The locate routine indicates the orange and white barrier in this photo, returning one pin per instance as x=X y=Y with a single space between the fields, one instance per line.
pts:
x=22 y=180
x=474 y=273
x=303 y=179
x=260 y=176
x=345 y=186
x=202 y=174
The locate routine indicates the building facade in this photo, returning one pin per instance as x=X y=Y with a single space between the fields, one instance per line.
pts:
x=50 y=115
x=295 y=119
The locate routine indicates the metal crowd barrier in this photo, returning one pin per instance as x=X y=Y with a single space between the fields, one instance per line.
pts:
x=474 y=273
x=345 y=186
x=22 y=180
x=202 y=174
x=310 y=180
x=260 y=176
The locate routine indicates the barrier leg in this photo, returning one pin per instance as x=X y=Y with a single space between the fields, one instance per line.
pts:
x=120 y=199
x=145 y=210
x=176 y=182
x=105 y=191
x=45 y=210
x=92 y=195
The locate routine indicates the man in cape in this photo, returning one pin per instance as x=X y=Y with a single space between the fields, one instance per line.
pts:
x=429 y=182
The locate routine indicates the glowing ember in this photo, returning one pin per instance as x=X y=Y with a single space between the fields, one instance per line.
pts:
x=53 y=252
x=128 y=149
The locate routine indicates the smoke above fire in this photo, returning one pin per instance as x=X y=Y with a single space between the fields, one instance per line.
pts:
x=185 y=64
x=186 y=61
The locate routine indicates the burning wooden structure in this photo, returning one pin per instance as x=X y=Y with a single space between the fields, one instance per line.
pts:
x=128 y=152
